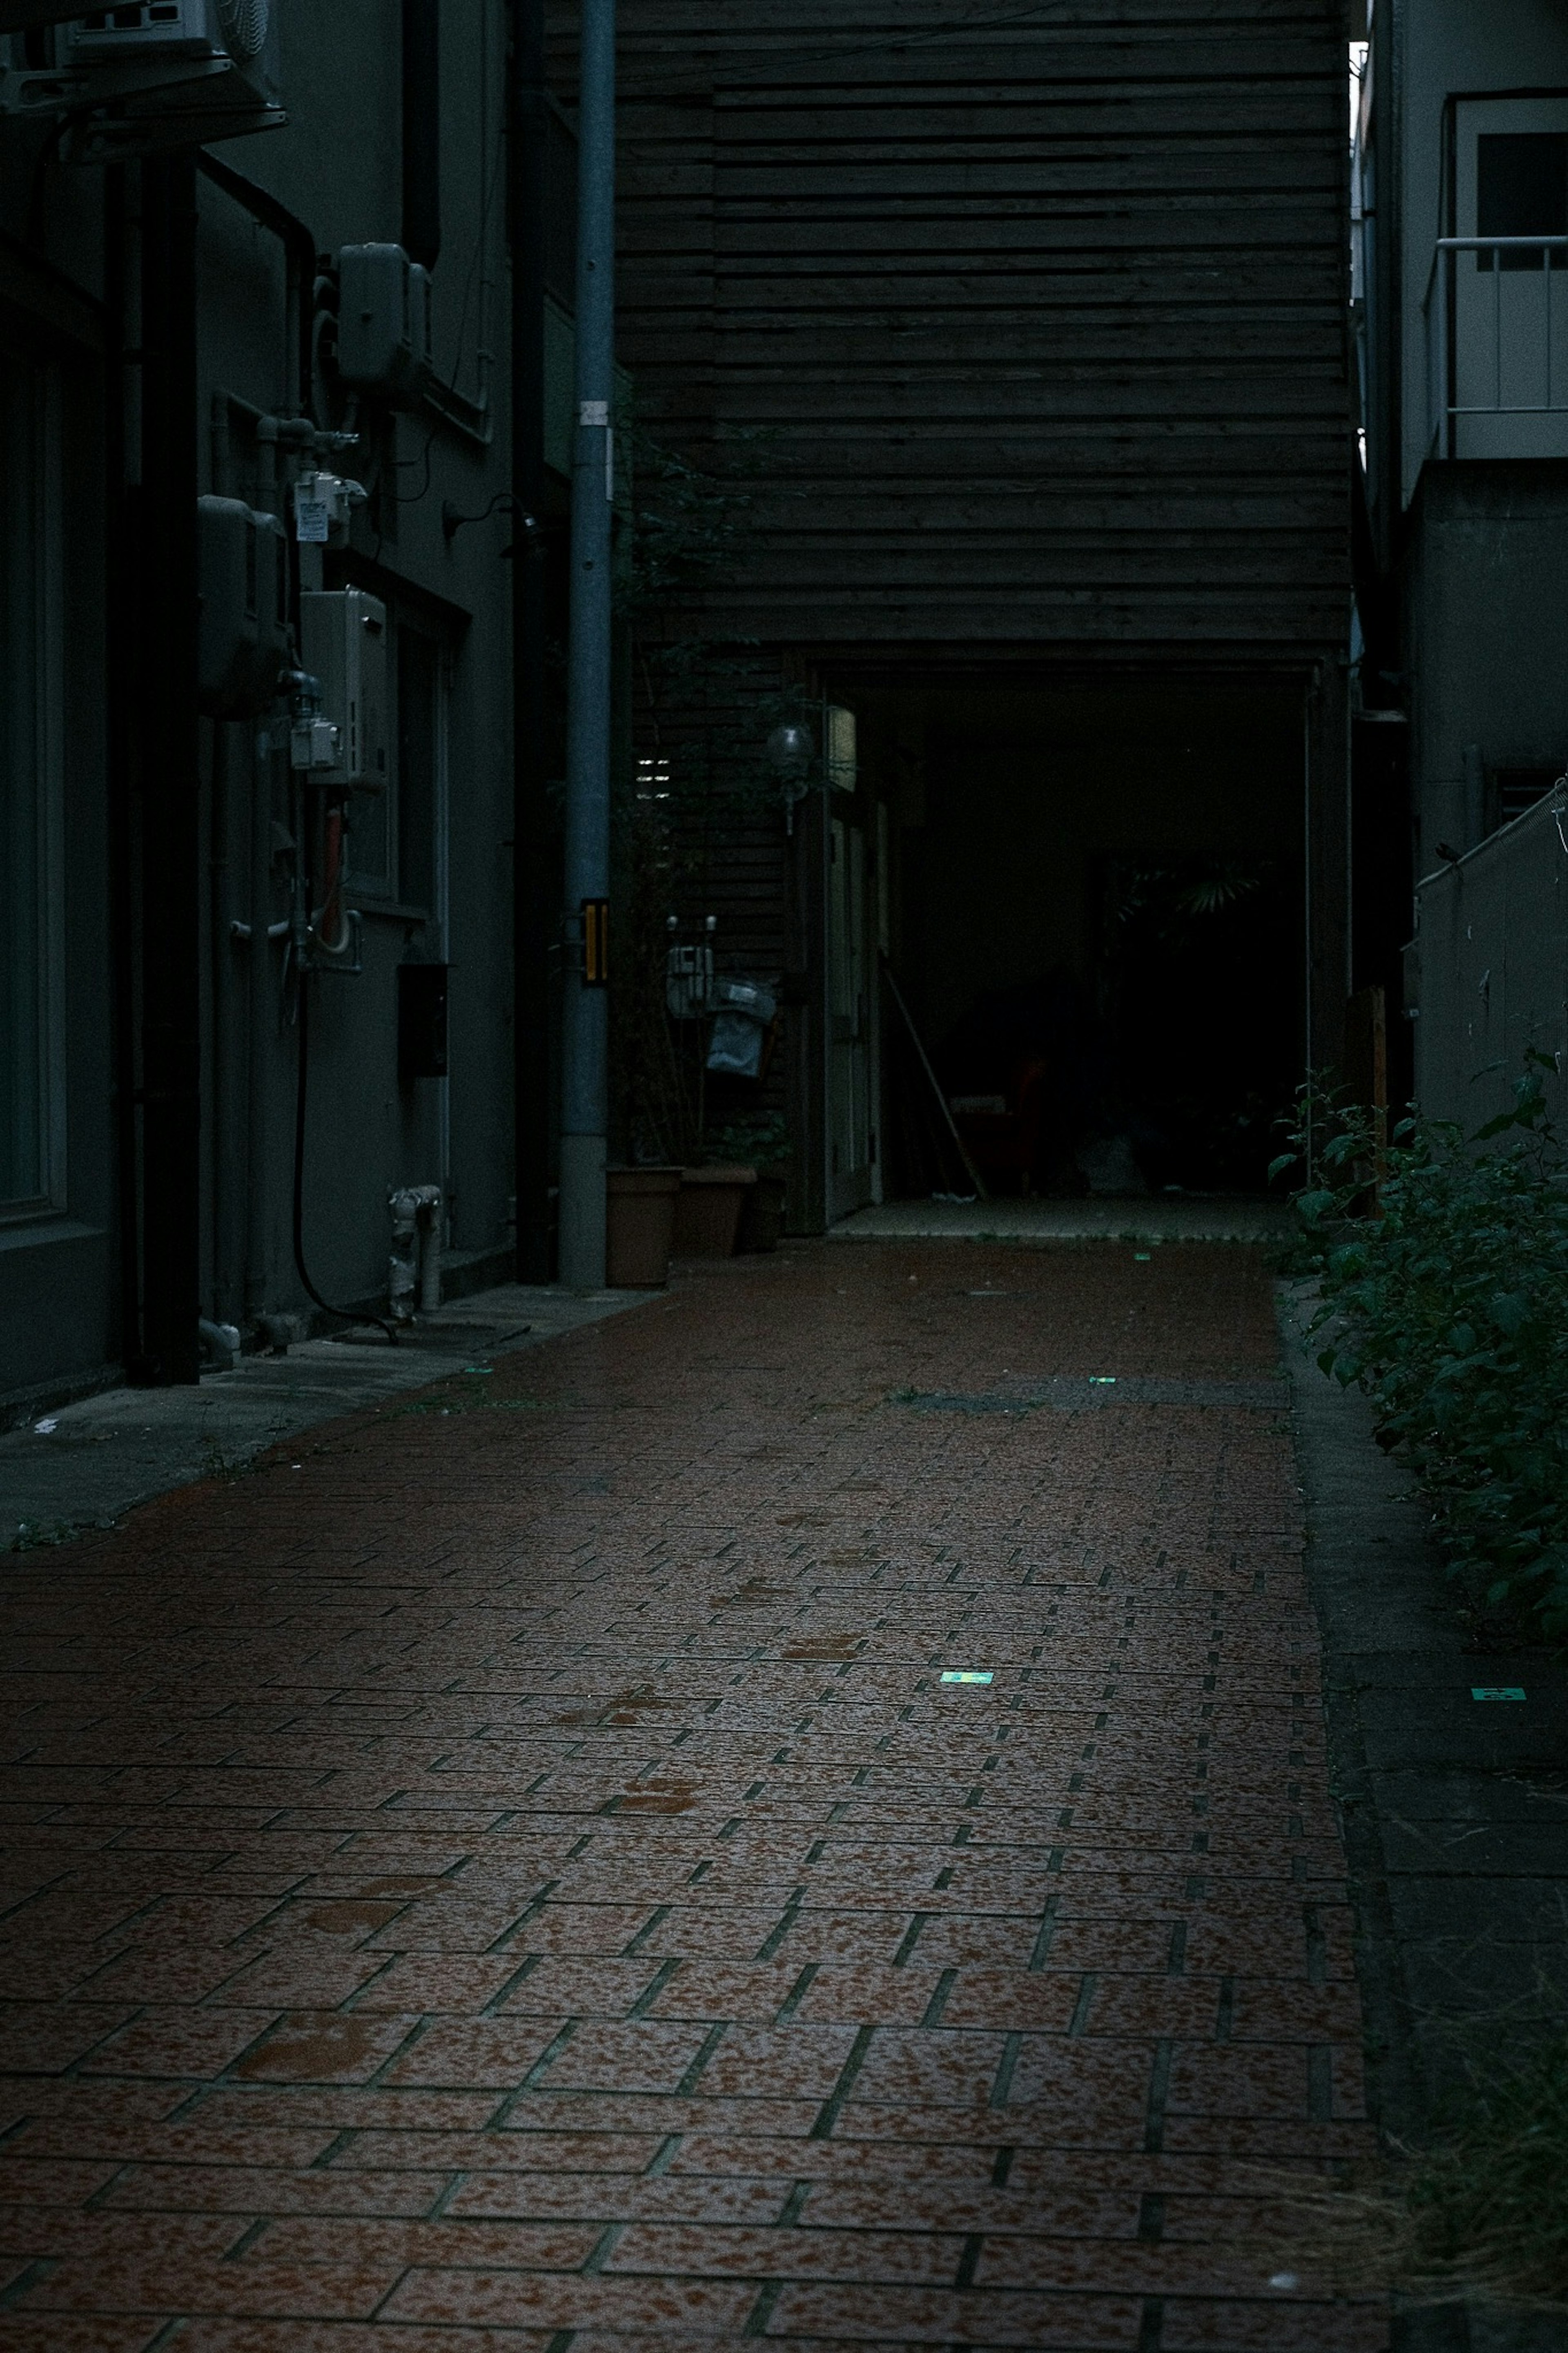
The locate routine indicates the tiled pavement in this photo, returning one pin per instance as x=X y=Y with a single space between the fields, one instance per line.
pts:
x=508 y=1874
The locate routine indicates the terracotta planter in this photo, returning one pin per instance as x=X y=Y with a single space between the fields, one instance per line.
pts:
x=639 y=1227
x=707 y=1210
x=763 y=1216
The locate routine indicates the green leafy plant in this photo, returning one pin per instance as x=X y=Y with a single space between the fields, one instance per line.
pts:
x=760 y=1141
x=1442 y=1262
x=31 y=1536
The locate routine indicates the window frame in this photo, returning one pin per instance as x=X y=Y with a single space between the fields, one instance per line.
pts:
x=386 y=892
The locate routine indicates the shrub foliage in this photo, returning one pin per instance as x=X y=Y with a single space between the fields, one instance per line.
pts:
x=1443 y=1268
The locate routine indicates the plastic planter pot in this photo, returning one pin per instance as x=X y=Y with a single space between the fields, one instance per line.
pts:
x=762 y=1214
x=639 y=1227
x=708 y=1211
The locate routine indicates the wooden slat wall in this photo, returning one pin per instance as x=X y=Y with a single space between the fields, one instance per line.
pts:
x=727 y=834
x=1040 y=312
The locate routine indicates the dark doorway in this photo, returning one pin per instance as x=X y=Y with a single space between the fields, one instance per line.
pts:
x=1097 y=923
x=1197 y=1010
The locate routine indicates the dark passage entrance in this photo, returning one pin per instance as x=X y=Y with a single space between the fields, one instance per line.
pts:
x=1095 y=913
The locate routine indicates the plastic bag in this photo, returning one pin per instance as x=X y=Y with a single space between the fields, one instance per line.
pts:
x=744 y=1010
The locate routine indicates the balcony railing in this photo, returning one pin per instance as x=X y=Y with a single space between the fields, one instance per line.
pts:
x=1496 y=314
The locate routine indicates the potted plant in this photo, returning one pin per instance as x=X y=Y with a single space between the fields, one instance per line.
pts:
x=708 y=1209
x=639 y=1227
x=762 y=1142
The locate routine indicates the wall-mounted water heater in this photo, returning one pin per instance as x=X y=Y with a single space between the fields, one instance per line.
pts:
x=343 y=644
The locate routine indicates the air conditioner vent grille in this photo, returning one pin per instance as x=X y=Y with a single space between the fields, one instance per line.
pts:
x=244 y=26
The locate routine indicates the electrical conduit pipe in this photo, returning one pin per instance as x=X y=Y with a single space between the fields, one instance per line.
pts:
x=416 y=1261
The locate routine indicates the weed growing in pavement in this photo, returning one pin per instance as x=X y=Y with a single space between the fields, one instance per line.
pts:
x=1478 y=2216
x=1488 y=2204
x=34 y=1536
x=477 y=1401
x=1442 y=1265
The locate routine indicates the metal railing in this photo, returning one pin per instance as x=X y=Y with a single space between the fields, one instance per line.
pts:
x=1494 y=331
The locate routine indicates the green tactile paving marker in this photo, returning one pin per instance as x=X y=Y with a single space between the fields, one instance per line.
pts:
x=965 y=1675
x=1495 y=1691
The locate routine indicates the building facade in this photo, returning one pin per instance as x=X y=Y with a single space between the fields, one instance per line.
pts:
x=257 y=334
x=1462 y=267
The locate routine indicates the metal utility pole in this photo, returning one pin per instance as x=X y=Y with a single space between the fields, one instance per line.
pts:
x=585 y=1009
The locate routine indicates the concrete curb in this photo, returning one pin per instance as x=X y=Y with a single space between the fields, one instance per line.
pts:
x=1459 y=1888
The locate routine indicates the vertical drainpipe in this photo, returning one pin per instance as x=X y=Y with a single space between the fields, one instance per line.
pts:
x=422 y=130
x=261 y=1004
x=169 y=777
x=533 y=896
x=120 y=671
x=222 y=1159
x=585 y=1009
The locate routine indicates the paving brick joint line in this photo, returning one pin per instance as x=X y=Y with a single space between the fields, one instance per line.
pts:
x=521 y=1883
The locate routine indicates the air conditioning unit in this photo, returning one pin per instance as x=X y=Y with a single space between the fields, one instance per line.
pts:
x=157 y=74
x=384 y=323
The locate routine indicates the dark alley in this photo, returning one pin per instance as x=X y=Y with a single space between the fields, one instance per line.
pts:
x=525 y=1867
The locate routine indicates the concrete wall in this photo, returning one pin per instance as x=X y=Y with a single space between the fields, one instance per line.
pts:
x=1489 y=968
x=1486 y=601
x=57 y=1293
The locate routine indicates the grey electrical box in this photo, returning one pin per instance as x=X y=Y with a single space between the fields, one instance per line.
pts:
x=383 y=321
x=342 y=643
x=242 y=576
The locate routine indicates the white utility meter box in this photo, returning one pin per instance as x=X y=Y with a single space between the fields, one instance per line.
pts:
x=343 y=644
x=383 y=321
x=242 y=578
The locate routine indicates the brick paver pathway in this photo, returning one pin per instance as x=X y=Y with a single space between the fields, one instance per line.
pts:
x=515 y=1877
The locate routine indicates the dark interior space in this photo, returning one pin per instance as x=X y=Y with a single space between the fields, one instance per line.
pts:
x=1382 y=857
x=1096 y=920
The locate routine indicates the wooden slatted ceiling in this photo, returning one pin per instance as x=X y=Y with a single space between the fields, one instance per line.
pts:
x=1031 y=335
